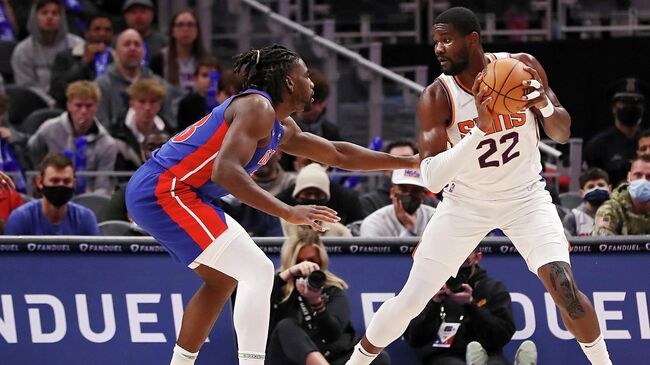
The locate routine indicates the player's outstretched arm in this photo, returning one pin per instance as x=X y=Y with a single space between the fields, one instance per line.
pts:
x=439 y=164
x=252 y=121
x=340 y=154
x=547 y=107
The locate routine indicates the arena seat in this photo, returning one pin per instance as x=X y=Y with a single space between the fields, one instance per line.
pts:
x=570 y=199
x=23 y=102
x=116 y=228
x=93 y=201
x=36 y=118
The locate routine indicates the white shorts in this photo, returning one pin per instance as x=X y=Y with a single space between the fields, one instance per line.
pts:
x=531 y=223
x=230 y=252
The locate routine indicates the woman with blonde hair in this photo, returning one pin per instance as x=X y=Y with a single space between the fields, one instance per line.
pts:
x=310 y=311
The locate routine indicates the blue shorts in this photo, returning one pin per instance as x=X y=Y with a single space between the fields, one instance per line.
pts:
x=172 y=212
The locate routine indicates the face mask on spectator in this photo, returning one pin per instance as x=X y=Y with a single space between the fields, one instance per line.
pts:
x=58 y=195
x=409 y=203
x=629 y=115
x=597 y=196
x=313 y=202
x=640 y=190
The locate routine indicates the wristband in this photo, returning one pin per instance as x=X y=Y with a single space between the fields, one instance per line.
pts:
x=548 y=110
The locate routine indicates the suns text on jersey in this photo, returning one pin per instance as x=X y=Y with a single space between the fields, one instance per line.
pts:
x=500 y=122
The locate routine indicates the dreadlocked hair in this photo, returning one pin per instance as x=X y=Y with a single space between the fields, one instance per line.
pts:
x=265 y=69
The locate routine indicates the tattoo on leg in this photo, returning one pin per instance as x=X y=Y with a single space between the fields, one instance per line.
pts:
x=564 y=286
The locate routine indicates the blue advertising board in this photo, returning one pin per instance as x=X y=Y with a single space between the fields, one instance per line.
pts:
x=71 y=303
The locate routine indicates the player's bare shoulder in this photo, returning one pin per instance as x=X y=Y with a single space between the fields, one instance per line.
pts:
x=250 y=107
x=433 y=106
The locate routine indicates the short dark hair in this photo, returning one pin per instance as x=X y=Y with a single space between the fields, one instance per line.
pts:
x=90 y=18
x=264 y=69
x=644 y=134
x=593 y=174
x=208 y=61
x=41 y=3
x=400 y=143
x=644 y=158
x=321 y=85
x=463 y=20
x=56 y=160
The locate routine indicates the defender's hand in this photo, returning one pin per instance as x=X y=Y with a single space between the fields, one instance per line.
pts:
x=312 y=215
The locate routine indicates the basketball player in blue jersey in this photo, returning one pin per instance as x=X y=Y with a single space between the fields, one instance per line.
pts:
x=490 y=165
x=169 y=196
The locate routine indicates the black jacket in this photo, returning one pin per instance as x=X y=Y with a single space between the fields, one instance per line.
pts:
x=332 y=329
x=487 y=320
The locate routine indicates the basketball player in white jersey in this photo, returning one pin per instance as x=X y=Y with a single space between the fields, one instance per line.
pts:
x=491 y=168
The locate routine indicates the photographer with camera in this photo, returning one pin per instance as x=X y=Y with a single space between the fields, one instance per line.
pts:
x=468 y=321
x=310 y=313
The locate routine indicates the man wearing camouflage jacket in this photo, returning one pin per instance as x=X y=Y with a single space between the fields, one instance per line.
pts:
x=627 y=212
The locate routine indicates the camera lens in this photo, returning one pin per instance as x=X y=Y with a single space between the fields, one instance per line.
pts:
x=454 y=284
x=316 y=279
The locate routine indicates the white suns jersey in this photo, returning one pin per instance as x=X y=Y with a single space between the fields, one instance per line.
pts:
x=506 y=163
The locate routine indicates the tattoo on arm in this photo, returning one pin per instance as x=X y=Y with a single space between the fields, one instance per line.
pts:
x=563 y=284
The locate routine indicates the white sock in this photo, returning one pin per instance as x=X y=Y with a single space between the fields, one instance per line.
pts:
x=360 y=356
x=251 y=358
x=596 y=351
x=183 y=357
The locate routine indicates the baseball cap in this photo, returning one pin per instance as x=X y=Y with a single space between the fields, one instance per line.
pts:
x=405 y=176
x=130 y=3
x=312 y=176
x=628 y=89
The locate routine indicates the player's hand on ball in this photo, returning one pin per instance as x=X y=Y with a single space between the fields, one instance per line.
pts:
x=482 y=101
x=312 y=215
x=536 y=95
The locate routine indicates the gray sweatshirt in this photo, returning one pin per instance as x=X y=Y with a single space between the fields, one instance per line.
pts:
x=32 y=58
x=56 y=134
x=384 y=223
x=115 y=100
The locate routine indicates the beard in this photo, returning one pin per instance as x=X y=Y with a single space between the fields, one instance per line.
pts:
x=456 y=67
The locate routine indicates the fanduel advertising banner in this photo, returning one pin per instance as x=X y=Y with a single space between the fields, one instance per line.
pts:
x=122 y=303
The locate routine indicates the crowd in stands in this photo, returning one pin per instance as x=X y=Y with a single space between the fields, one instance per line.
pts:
x=111 y=89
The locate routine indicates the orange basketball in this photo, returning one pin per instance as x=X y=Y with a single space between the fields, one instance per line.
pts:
x=504 y=78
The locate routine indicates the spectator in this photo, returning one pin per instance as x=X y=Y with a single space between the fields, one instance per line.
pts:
x=345 y=202
x=594 y=190
x=33 y=58
x=126 y=69
x=627 y=212
x=406 y=216
x=77 y=132
x=313 y=120
x=612 y=148
x=9 y=134
x=643 y=146
x=313 y=187
x=10 y=199
x=86 y=61
x=116 y=209
x=470 y=307
x=139 y=15
x=380 y=197
x=272 y=178
x=145 y=100
x=177 y=62
x=53 y=214
x=198 y=103
x=309 y=325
